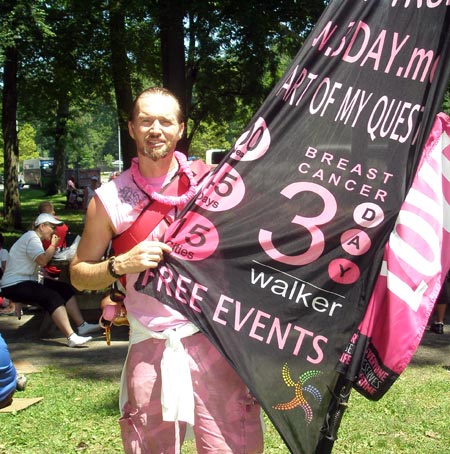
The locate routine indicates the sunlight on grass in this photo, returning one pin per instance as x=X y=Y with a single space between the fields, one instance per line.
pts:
x=76 y=414
x=80 y=415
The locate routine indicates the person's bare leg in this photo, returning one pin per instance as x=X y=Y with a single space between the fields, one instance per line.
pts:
x=61 y=320
x=83 y=328
x=74 y=311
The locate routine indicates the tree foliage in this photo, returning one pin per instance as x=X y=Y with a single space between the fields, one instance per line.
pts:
x=71 y=68
x=221 y=58
x=27 y=142
x=21 y=22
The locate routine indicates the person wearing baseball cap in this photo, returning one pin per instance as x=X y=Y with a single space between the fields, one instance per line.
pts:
x=51 y=270
x=46 y=218
x=20 y=281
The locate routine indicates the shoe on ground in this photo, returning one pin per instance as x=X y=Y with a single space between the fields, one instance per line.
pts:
x=74 y=340
x=88 y=328
x=21 y=382
x=437 y=327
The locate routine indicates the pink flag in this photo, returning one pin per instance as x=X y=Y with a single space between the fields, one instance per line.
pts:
x=415 y=264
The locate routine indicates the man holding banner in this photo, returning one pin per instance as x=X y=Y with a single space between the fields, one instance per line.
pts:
x=294 y=223
x=316 y=225
x=173 y=374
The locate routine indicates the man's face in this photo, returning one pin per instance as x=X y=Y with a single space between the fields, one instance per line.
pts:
x=155 y=126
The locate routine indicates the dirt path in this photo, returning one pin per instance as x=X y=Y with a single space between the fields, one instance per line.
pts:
x=100 y=360
x=96 y=359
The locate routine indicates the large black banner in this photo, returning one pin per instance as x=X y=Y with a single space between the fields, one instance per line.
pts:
x=276 y=259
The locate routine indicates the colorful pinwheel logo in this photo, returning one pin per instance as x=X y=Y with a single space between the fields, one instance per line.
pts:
x=300 y=389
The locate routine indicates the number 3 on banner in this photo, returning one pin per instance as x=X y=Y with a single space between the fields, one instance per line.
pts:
x=309 y=223
x=193 y=237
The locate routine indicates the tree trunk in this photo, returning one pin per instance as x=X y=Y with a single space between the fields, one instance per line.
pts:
x=59 y=169
x=171 y=14
x=121 y=77
x=11 y=208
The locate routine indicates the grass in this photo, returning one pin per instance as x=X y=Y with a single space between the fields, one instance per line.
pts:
x=79 y=415
x=29 y=200
x=411 y=418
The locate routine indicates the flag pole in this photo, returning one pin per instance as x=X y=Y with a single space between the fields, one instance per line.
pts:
x=336 y=410
x=342 y=390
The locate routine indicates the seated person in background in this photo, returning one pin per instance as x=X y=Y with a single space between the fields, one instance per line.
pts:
x=52 y=271
x=20 y=281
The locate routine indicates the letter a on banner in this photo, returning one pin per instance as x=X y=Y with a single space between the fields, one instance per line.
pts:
x=276 y=258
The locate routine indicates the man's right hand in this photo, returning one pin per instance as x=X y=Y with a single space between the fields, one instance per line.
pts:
x=141 y=257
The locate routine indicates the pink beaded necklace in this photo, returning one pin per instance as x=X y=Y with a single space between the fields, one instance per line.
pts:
x=183 y=199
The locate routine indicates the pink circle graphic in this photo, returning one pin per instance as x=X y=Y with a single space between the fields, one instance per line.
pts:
x=252 y=144
x=355 y=241
x=343 y=271
x=368 y=215
x=224 y=190
x=192 y=238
